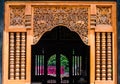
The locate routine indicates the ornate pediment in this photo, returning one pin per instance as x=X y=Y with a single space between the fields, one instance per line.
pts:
x=74 y=18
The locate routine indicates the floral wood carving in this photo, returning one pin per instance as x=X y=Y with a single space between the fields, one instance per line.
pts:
x=104 y=15
x=74 y=18
x=17 y=16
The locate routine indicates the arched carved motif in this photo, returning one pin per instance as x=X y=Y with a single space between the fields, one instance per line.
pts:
x=74 y=18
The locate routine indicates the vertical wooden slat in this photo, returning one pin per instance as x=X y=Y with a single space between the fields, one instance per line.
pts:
x=72 y=66
x=11 y=56
x=17 y=57
x=40 y=63
x=80 y=65
x=5 y=47
x=75 y=65
x=35 y=65
x=98 y=56
x=23 y=55
x=114 y=43
x=103 y=55
x=92 y=42
x=109 y=56
x=43 y=63
x=29 y=39
x=92 y=56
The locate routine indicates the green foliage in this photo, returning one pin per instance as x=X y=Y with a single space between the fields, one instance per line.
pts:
x=63 y=61
x=52 y=60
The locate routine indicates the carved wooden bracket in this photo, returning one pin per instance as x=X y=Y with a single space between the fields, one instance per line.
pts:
x=28 y=16
x=28 y=21
x=93 y=21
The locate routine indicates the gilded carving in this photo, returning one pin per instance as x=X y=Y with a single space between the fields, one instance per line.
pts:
x=17 y=16
x=75 y=18
x=104 y=15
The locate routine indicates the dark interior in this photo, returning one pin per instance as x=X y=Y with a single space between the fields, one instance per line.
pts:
x=60 y=40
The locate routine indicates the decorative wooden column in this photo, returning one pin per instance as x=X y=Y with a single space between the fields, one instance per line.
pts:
x=115 y=44
x=92 y=42
x=29 y=28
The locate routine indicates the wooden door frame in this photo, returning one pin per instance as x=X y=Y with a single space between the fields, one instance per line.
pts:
x=67 y=48
x=92 y=28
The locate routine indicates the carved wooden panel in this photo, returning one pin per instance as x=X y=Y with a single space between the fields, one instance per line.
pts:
x=104 y=15
x=104 y=56
x=46 y=18
x=17 y=56
x=17 y=15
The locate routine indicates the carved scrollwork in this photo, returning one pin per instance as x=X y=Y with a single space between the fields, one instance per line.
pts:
x=17 y=16
x=104 y=15
x=75 y=18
